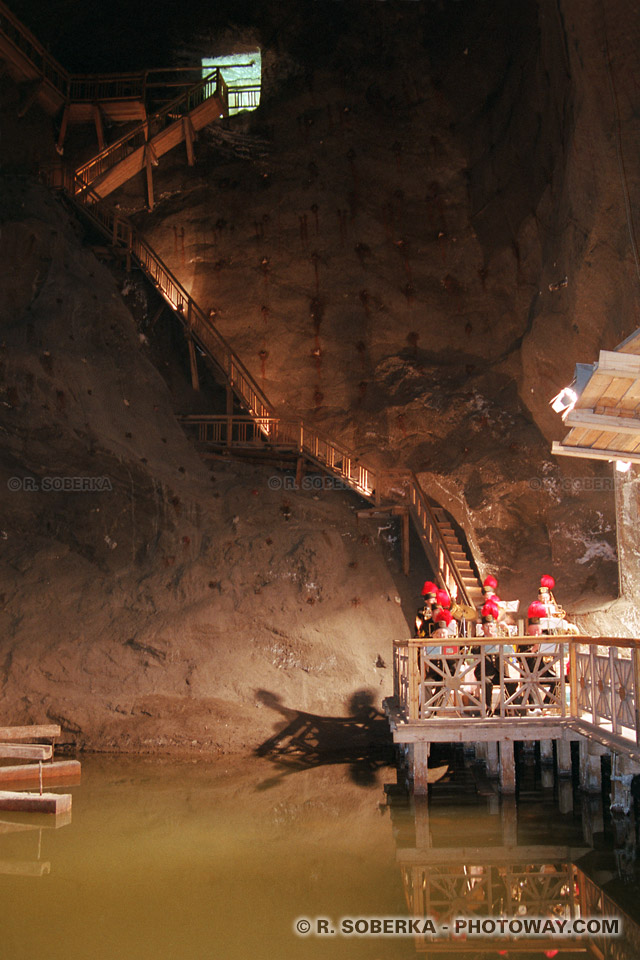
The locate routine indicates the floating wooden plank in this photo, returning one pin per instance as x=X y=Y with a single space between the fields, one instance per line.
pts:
x=52 y=773
x=35 y=802
x=25 y=868
x=34 y=732
x=26 y=751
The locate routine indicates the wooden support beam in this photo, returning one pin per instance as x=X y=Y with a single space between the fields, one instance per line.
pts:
x=421 y=816
x=150 y=160
x=97 y=119
x=560 y=450
x=563 y=757
x=509 y=821
x=374 y=513
x=193 y=363
x=63 y=129
x=34 y=732
x=565 y=795
x=507 y=768
x=26 y=751
x=421 y=753
x=405 y=543
x=590 y=770
x=493 y=765
x=546 y=751
x=187 y=132
x=299 y=471
x=229 y=411
x=35 y=802
x=586 y=418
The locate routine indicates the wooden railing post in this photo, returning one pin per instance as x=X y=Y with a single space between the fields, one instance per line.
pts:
x=573 y=679
x=636 y=689
x=414 y=681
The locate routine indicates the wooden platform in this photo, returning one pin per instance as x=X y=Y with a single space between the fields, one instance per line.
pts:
x=26 y=751
x=35 y=802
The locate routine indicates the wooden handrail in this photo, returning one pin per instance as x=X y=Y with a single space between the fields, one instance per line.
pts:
x=31 y=48
x=210 y=86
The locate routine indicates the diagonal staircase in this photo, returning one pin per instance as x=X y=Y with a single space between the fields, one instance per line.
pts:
x=28 y=62
x=142 y=147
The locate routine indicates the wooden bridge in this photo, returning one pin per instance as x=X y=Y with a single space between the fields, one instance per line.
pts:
x=497 y=692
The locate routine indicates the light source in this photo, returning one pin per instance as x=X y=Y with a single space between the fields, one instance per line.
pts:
x=564 y=401
x=623 y=466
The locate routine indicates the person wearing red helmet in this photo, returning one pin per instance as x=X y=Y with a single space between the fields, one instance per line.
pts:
x=490 y=615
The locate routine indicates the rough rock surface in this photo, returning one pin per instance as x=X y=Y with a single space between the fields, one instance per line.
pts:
x=428 y=221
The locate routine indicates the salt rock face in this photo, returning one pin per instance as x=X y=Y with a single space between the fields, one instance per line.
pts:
x=417 y=252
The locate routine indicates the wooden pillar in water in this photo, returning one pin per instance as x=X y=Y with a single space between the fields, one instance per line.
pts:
x=623 y=770
x=590 y=767
x=507 y=767
x=421 y=815
x=563 y=756
x=493 y=765
x=546 y=751
x=421 y=750
x=509 y=821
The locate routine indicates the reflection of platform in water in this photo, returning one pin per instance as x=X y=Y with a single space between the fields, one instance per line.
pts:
x=510 y=879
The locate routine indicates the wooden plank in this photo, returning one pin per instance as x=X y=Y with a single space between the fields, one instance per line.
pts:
x=29 y=773
x=560 y=450
x=578 y=418
x=459 y=730
x=26 y=751
x=507 y=768
x=35 y=802
x=25 y=868
x=33 y=732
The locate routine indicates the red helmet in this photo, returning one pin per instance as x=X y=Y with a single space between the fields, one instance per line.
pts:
x=443 y=599
x=536 y=610
x=490 y=581
x=442 y=616
x=490 y=611
x=547 y=581
x=429 y=588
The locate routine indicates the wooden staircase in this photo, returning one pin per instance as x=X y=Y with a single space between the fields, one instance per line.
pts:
x=122 y=97
x=460 y=557
x=142 y=147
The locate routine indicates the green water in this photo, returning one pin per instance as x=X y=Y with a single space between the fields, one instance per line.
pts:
x=184 y=861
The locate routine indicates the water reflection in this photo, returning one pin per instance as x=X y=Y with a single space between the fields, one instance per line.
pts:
x=537 y=858
x=187 y=861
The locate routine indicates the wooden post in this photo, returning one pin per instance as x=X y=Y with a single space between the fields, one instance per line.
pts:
x=565 y=795
x=563 y=756
x=421 y=817
x=97 y=119
x=590 y=768
x=636 y=690
x=509 y=818
x=493 y=766
x=546 y=751
x=507 y=767
x=421 y=750
x=573 y=680
x=193 y=363
x=299 y=471
x=149 y=159
x=229 y=415
x=63 y=129
x=187 y=133
x=414 y=681
x=405 y=543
